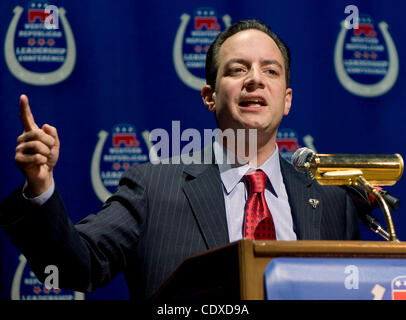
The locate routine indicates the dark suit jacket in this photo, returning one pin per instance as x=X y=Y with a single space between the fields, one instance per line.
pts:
x=159 y=215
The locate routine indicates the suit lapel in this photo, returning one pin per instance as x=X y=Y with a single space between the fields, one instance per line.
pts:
x=203 y=189
x=305 y=203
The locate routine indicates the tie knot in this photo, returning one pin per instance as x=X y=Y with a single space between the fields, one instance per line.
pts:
x=256 y=181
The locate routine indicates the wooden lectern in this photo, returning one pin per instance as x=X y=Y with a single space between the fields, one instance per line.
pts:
x=236 y=271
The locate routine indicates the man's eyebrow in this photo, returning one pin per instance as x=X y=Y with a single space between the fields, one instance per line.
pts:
x=268 y=62
x=236 y=60
x=246 y=62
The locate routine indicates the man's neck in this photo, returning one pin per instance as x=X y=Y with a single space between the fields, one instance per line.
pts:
x=265 y=147
x=264 y=152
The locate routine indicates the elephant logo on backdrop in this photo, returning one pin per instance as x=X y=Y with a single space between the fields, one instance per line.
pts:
x=192 y=41
x=39 y=47
x=288 y=142
x=365 y=58
x=112 y=157
x=399 y=288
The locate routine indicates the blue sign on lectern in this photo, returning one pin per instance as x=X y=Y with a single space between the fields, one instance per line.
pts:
x=335 y=279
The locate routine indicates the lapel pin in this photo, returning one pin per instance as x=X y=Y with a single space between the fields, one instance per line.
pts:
x=314 y=203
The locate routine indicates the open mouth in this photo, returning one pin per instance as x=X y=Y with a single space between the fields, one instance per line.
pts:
x=252 y=102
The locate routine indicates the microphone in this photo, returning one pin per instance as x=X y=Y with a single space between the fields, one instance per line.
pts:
x=372 y=223
x=366 y=200
x=365 y=204
x=341 y=169
x=390 y=200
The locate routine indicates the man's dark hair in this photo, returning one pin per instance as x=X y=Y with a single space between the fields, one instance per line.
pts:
x=212 y=54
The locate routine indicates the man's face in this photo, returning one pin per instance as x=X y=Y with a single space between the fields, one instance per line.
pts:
x=250 y=85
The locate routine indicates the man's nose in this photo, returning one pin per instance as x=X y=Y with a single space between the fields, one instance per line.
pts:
x=254 y=79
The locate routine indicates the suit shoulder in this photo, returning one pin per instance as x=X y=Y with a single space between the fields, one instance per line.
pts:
x=147 y=171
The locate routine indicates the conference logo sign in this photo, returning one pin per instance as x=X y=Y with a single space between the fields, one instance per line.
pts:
x=399 y=288
x=111 y=157
x=35 y=53
x=288 y=142
x=26 y=286
x=365 y=58
x=192 y=41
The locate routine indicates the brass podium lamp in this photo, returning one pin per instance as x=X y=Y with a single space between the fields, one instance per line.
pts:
x=365 y=170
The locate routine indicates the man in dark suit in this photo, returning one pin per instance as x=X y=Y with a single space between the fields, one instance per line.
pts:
x=162 y=214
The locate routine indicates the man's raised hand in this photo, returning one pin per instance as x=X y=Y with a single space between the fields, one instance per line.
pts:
x=37 y=151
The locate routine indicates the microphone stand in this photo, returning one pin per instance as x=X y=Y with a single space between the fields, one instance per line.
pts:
x=352 y=177
x=371 y=223
x=391 y=234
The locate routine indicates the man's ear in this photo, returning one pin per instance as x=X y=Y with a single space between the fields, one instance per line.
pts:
x=288 y=101
x=209 y=97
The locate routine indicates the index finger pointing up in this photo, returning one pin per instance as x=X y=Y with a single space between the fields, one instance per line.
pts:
x=26 y=116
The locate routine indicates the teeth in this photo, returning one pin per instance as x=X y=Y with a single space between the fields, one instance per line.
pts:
x=252 y=102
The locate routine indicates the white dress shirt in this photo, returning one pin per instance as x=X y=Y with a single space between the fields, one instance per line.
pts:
x=235 y=194
x=43 y=197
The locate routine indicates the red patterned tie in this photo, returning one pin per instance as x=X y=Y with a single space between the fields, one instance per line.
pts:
x=258 y=221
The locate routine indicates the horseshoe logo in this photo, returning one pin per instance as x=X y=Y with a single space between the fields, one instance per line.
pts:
x=367 y=90
x=184 y=74
x=18 y=275
x=101 y=191
x=35 y=78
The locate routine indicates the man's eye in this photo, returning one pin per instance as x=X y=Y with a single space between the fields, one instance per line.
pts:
x=272 y=72
x=236 y=70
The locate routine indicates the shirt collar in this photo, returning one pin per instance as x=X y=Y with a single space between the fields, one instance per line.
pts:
x=232 y=175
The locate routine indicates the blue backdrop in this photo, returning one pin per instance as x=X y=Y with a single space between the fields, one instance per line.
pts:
x=115 y=70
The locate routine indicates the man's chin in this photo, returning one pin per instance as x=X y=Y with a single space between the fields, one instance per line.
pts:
x=258 y=125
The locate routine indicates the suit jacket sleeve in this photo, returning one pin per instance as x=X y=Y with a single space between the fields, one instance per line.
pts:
x=87 y=255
